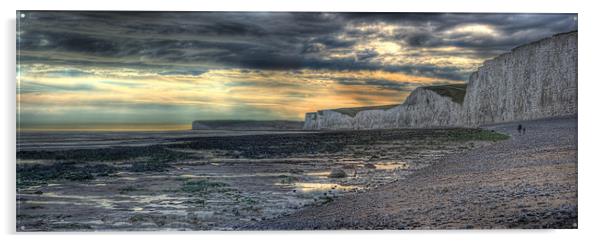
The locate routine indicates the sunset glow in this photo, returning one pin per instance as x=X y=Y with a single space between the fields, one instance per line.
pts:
x=95 y=68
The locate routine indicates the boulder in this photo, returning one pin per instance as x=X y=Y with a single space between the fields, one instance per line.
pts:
x=337 y=173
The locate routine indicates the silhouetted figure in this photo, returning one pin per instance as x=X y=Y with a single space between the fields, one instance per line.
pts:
x=520 y=128
x=524 y=130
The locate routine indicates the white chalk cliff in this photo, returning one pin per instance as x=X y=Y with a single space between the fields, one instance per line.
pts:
x=536 y=80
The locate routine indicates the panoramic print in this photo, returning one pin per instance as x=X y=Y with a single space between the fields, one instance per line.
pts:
x=193 y=121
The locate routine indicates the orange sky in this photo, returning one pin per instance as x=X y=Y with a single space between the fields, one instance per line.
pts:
x=94 y=68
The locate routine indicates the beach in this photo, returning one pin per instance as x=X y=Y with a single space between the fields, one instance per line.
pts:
x=526 y=182
x=217 y=180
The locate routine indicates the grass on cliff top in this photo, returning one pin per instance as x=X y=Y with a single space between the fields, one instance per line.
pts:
x=455 y=91
x=354 y=110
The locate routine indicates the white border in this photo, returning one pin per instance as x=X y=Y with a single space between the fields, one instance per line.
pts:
x=589 y=117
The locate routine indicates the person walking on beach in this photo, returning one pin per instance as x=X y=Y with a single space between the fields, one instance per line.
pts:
x=524 y=130
x=520 y=129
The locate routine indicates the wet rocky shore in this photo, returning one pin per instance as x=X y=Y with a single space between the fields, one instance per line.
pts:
x=214 y=180
x=527 y=182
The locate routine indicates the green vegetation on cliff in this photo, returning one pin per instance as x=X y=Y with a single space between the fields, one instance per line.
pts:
x=455 y=91
x=354 y=110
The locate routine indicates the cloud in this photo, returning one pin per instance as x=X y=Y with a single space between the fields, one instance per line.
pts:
x=384 y=84
x=124 y=84
x=28 y=86
x=182 y=72
x=273 y=41
x=250 y=64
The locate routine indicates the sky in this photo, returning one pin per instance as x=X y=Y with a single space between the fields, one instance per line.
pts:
x=166 y=69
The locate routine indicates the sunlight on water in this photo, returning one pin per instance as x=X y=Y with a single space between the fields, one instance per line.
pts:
x=319 y=174
x=391 y=166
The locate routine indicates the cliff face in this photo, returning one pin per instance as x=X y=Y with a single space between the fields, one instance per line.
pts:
x=423 y=108
x=426 y=108
x=533 y=81
x=311 y=121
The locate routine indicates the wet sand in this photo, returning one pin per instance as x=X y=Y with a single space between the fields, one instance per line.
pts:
x=212 y=181
x=526 y=182
x=63 y=140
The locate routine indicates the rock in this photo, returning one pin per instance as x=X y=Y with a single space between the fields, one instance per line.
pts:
x=535 y=80
x=369 y=166
x=337 y=173
x=423 y=108
x=295 y=171
x=349 y=166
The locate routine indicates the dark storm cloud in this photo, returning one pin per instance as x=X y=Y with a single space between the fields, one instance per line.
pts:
x=508 y=22
x=193 y=42
x=366 y=54
x=515 y=29
x=383 y=84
